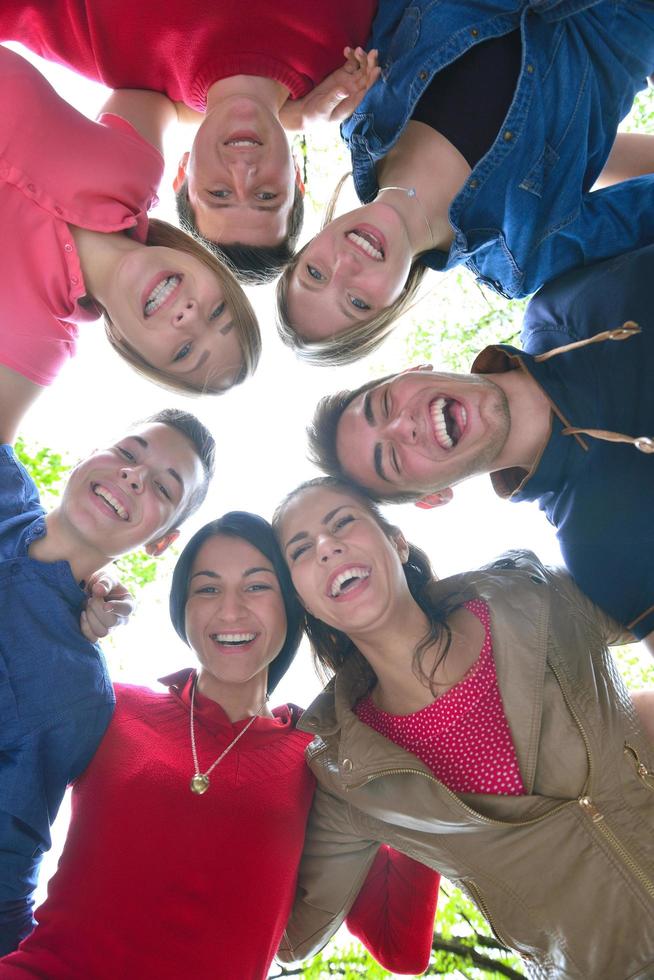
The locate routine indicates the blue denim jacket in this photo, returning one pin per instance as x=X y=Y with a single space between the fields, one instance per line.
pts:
x=56 y=697
x=525 y=213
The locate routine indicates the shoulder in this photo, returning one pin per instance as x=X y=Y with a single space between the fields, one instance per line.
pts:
x=18 y=490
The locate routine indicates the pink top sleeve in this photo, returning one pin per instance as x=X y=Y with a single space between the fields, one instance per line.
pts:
x=101 y=176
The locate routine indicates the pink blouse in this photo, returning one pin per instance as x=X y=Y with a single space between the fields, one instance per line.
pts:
x=58 y=167
x=463 y=736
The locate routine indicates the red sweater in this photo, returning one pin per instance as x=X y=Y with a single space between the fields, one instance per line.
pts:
x=181 y=47
x=157 y=882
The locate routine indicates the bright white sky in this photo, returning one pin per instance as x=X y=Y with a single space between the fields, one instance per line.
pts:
x=259 y=428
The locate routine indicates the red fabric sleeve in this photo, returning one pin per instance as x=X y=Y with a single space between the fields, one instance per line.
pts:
x=393 y=915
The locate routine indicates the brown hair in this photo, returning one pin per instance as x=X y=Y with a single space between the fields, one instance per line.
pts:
x=331 y=647
x=245 y=321
x=322 y=433
x=358 y=341
x=252 y=265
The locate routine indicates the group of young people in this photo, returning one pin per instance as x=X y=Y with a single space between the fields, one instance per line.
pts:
x=474 y=726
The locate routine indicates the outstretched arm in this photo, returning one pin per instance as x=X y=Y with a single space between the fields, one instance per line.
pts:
x=632 y=155
x=150 y=113
x=393 y=915
x=337 y=96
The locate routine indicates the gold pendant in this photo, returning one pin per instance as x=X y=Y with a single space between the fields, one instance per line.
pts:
x=199 y=783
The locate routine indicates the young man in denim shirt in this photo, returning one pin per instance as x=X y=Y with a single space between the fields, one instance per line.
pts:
x=568 y=421
x=56 y=697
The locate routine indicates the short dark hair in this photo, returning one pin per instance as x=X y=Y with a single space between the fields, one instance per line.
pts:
x=322 y=433
x=251 y=264
x=257 y=532
x=202 y=442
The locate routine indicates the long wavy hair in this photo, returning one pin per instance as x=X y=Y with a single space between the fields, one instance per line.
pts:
x=332 y=648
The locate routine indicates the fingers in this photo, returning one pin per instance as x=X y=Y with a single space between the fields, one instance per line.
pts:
x=101 y=616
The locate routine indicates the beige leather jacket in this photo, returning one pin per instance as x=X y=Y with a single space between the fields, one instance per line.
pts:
x=564 y=874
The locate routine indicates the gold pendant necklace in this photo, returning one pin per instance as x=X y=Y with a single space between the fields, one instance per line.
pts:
x=200 y=780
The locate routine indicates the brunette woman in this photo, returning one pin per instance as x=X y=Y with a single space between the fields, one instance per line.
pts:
x=187 y=827
x=76 y=244
x=480 y=724
x=480 y=144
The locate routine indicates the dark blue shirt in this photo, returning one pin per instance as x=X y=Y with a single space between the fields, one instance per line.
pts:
x=56 y=697
x=598 y=494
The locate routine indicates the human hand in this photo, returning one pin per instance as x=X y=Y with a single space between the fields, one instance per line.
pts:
x=338 y=95
x=109 y=605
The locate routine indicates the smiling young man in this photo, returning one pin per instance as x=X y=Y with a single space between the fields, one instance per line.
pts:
x=56 y=697
x=568 y=421
x=245 y=72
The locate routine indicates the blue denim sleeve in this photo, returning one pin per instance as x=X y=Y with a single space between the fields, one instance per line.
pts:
x=53 y=758
x=18 y=491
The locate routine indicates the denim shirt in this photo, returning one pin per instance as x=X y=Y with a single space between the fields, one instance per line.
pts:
x=56 y=698
x=525 y=214
x=598 y=494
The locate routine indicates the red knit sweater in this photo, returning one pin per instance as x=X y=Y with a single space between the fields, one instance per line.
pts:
x=181 y=47
x=155 y=882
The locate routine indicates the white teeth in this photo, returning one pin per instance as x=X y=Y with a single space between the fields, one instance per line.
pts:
x=100 y=491
x=349 y=573
x=242 y=143
x=233 y=637
x=464 y=417
x=363 y=243
x=160 y=294
x=436 y=409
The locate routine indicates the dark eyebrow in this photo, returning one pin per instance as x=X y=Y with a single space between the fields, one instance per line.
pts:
x=207 y=573
x=379 y=470
x=248 y=571
x=141 y=441
x=326 y=519
x=228 y=326
x=367 y=408
x=175 y=475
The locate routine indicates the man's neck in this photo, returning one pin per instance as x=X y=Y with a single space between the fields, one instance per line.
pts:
x=530 y=412
x=61 y=543
x=265 y=90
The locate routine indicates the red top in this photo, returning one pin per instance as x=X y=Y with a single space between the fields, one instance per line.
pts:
x=181 y=47
x=155 y=881
x=463 y=736
x=57 y=167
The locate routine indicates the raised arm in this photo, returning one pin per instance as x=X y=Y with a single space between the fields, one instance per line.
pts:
x=150 y=113
x=393 y=915
x=16 y=396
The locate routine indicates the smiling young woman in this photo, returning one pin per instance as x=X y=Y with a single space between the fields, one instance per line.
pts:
x=78 y=243
x=479 y=724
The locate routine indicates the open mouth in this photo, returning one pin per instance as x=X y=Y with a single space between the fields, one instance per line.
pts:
x=110 y=500
x=234 y=640
x=449 y=419
x=369 y=243
x=243 y=138
x=347 y=580
x=161 y=294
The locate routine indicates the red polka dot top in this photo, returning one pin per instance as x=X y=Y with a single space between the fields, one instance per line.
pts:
x=463 y=736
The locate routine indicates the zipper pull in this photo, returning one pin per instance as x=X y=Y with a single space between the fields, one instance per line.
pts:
x=587 y=804
x=642 y=771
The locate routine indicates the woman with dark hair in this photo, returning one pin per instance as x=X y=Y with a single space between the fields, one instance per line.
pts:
x=479 y=724
x=479 y=145
x=187 y=827
x=77 y=245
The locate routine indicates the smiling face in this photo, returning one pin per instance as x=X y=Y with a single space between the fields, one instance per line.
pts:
x=170 y=308
x=356 y=267
x=235 y=616
x=346 y=570
x=241 y=175
x=131 y=494
x=421 y=431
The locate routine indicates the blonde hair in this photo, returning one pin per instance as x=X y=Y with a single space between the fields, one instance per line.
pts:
x=245 y=322
x=360 y=340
